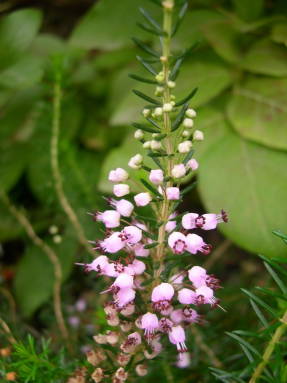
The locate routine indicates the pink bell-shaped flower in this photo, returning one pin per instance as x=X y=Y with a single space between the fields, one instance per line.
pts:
x=177 y=337
x=177 y=242
x=149 y=322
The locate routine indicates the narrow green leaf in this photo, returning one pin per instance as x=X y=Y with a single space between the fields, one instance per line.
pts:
x=142 y=79
x=187 y=98
x=188 y=189
x=247 y=333
x=146 y=65
x=157 y=162
x=179 y=118
x=175 y=70
x=154 y=123
x=145 y=97
x=188 y=157
x=276 y=278
x=270 y=293
x=145 y=47
x=151 y=30
x=260 y=302
x=280 y=235
x=152 y=154
x=274 y=265
x=247 y=353
x=181 y=15
x=150 y=188
x=149 y=18
x=246 y=344
x=179 y=60
x=151 y=245
x=259 y=313
x=144 y=127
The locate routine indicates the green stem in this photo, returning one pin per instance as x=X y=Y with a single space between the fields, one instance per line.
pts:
x=269 y=349
x=165 y=204
x=56 y=169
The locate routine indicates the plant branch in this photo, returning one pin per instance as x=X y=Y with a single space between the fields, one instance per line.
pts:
x=269 y=349
x=22 y=219
x=56 y=169
x=164 y=208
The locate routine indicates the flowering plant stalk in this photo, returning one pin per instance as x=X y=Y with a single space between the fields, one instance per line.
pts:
x=153 y=301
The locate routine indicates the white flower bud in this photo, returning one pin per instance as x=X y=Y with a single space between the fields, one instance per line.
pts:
x=171 y=84
x=188 y=123
x=139 y=134
x=158 y=112
x=191 y=113
x=158 y=91
x=185 y=133
x=167 y=107
x=146 y=145
x=172 y=103
x=57 y=239
x=172 y=97
x=178 y=171
x=53 y=229
x=136 y=161
x=146 y=112
x=159 y=77
x=155 y=145
x=198 y=135
x=184 y=147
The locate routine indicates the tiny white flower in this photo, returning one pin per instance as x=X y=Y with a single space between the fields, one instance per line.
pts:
x=159 y=77
x=167 y=107
x=188 y=123
x=158 y=91
x=178 y=171
x=198 y=135
x=136 y=161
x=146 y=145
x=139 y=134
x=171 y=84
x=146 y=112
x=155 y=145
x=185 y=133
x=185 y=146
x=191 y=113
x=158 y=112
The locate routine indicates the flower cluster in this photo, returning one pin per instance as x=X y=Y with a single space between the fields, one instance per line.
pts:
x=152 y=301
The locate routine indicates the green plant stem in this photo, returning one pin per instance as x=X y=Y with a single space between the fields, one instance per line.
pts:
x=56 y=169
x=25 y=223
x=269 y=349
x=165 y=204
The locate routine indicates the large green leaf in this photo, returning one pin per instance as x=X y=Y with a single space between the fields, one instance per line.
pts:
x=266 y=57
x=248 y=10
x=26 y=72
x=17 y=32
x=108 y=25
x=258 y=111
x=224 y=39
x=193 y=25
x=279 y=33
x=205 y=71
x=35 y=274
x=249 y=181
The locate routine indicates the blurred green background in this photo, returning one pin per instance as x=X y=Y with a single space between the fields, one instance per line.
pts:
x=240 y=67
